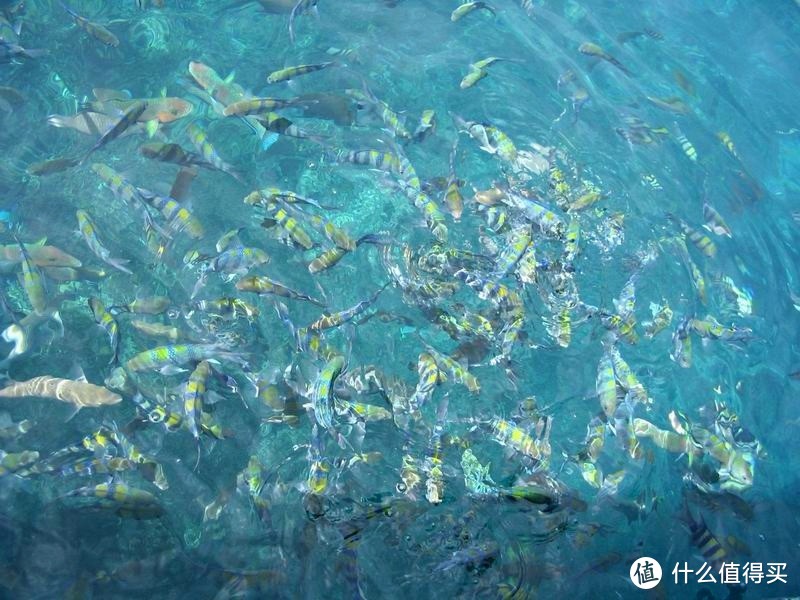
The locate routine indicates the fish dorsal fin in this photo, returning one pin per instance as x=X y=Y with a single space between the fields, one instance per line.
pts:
x=76 y=374
x=105 y=94
x=229 y=79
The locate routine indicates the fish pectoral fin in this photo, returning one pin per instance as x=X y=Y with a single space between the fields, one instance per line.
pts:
x=152 y=128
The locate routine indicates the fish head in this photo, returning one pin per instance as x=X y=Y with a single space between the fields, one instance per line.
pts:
x=172 y=109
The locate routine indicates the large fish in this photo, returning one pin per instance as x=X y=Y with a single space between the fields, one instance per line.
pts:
x=78 y=392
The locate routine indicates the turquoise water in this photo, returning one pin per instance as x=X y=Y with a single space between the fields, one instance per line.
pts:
x=570 y=299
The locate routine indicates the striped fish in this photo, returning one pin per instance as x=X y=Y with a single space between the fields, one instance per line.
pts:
x=106 y=320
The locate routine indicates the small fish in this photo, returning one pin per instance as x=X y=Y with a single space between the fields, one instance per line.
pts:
x=193 y=396
x=33 y=282
x=713 y=551
x=169 y=332
x=296 y=71
x=199 y=139
x=452 y=195
x=95 y=30
x=121 y=187
x=89 y=232
x=160 y=109
x=55 y=165
x=336 y=319
x=168 y=358
x=123 y=500
x=478 y=70
x=702 y=242
x=662 y=317
x=90 y=123
x=322 y=392
x=106 y=320
x=13 y=51
x=714 y=221
x=264 y=285
x=466 y=8
x=298 y=9
x=726 y=140
x=178 y=217
x=172 y=153
x=671 y=104
x=331 y=257
x=146 y=305
x=128 y=118
x=427 y=125
x=258 y=106
x=590 y=49
x=585 y=200
x=686 y=145
x=683 y=81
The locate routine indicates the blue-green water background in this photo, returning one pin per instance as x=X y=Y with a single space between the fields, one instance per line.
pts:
x=413 y=58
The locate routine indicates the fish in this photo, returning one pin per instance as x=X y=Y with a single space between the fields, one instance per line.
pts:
x=671 y=104
x=199 y=139
x=263 y=285
x=591 y=49
x=452 y=194
x=178 y=217
x=322 y=392
x=193 y=397
x=477 y=71
x=123 y=500
x=687 y=147
x=283 y=126
x=702 y=242
x=11 y=51
x=88 y=230
x=168 y=358
x=32 y=282
x=714 y=221
x=55 y=165
x=172 y=153
x=106 y=320
x=170 y=332
x=95 y=30
x=130 y=116
x=332 y=256
x=259 y=106
x=121 y=187
x=144 y=305
x=714 y=553
x=426 y=126
x=158 y=110
x=726 y=140
x=289 y=224
x=298 y=9
x=293 y=72
x=77 y=392
x=464 y=9
x=684 y=82
x=337 y=319
x=91 y=123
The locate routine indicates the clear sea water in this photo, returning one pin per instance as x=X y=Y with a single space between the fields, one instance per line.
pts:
x=732 y=65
